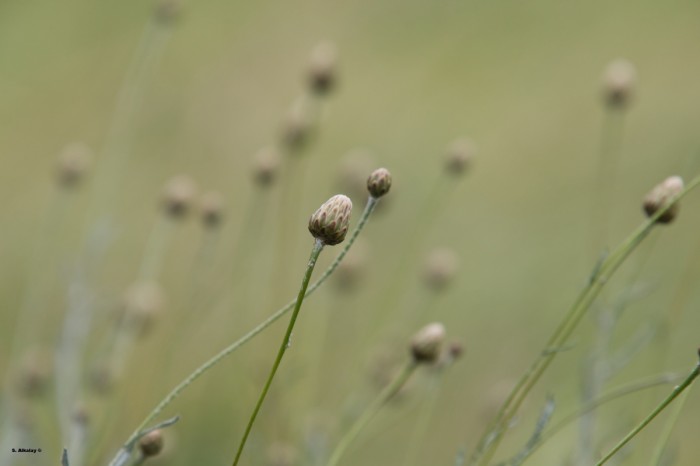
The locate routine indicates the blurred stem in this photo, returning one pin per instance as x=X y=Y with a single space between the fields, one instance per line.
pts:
x=315 y=252
x=612 y=132
x=384 y=396
x=423 y=422
x=129 y=444
x=488 y=444
x=674 y=394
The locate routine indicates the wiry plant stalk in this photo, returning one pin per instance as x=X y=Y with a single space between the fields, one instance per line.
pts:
x=487 y=445
x=315 y=252
x=660 y=448
x=667 y=401
x=384 y=396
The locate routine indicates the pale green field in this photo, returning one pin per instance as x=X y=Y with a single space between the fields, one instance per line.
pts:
x=522 y=79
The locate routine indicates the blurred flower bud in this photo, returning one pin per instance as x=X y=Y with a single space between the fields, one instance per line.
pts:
x=144 y=303
x=660 y=196
x=619 y=80
x=460 y=156
x=211 y=206
x=331 y=221
x=296 y=128
x=178 y=195
x=35 y=372
x=73 y=162
x=265 y=167
x=323 y=68
x=441 y=267
x=151 y=444
x=379 y=183
x=167 y=11
x=426 y=344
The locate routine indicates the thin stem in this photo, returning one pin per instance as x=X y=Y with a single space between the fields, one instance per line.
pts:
x=660 y=448
x=385 y=395
x=672 y=396
x=179 y=388
x=315 y=252
x=491 y=438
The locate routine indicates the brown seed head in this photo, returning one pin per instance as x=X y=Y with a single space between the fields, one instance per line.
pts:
x=660 y=196
x=379 y=182
x=178 y=195
x=73 y=162
x=460 y=156
x=441 y=266
x=151 y=444
x=265 y=166
x=331 y=221
x=323 y=68
x=211 y=207
x=619 y=80
x=426 y=344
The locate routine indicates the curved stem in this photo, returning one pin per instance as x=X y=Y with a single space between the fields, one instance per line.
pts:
x=385 y=395
x=179 y=388
x=315 y=252
x=672 y=396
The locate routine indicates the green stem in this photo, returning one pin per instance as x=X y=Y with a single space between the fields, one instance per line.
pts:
x=315 y=252
x=179 y=388
x=487 y=445
x=672 y=396
x=385 y=395
x=660 y=448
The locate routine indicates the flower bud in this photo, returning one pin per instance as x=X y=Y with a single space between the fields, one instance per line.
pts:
x=379 y=182
x=72 y=164
x=426 y=344
x=211 y=207
x=151 y=444
x=34 y=373
x=460 y=156
x=618 y=83
x=167 y=11
x=144 y=303
x=178 y=196
x=265 y=167
x=441 y=267
x=331 y=221
x=323 y=68
x=296 y=128
x=660 y=196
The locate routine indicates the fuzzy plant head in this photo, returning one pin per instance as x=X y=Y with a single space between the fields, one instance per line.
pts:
x=211 y=209
x=460 y=156
x=330 y=223
x=379 y=183
x=660 y=196
x=72 y=164
x=619 y=80
x=151 y=444
x=265 y=167
x=323 y=68
x=178 y=195
x=427 y=343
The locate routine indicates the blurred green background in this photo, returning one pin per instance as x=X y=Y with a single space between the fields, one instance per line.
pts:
x=522 y=79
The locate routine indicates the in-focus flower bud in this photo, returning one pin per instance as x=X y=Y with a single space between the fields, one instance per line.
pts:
x=618 y=83
x=151 y=444
x=660 y=196
x=427 y=343
x=178 y=196
x=323 y=68
x=331 y=221
x=460 y=156
x=379 y=182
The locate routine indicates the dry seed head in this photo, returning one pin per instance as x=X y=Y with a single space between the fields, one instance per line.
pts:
x=265 y=167
x=379 y=182
x=660 y=196
x=178 y=195
x=211 y=208
x=460 y=156
x=144 y=303
x=619 y=79
x=323 y=68
x=441 y=266
x=73 y=162
x=330 y=223
x=151 y=444
x=427 y=343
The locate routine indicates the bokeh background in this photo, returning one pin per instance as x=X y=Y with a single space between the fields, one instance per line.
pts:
x=521 y=79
